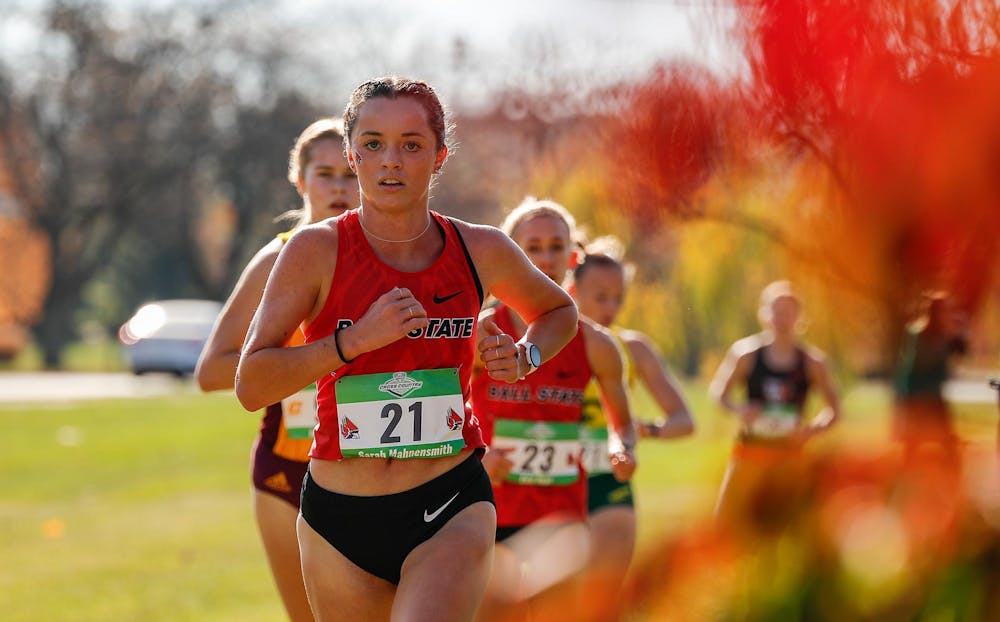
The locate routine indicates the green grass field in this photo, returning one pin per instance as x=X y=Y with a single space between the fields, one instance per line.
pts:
x=140 y=509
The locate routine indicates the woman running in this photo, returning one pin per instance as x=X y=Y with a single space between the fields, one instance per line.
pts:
x=776 y=370
x=397 y=517
x=922 y=417
x=319 y=171
x=533 y=427
x=599 y=285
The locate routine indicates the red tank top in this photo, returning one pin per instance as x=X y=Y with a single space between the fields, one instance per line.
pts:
x=450 y=291
x=553 y=393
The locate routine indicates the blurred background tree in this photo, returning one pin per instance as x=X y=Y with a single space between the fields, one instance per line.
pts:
x=131 y=150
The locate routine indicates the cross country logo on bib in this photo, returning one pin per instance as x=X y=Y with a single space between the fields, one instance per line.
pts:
x=400 y=384
x=402 y=415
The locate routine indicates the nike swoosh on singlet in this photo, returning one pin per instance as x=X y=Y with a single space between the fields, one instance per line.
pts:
x=429 y=518
x=439 y=299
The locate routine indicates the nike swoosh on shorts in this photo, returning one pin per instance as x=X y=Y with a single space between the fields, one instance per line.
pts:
x=429 y=518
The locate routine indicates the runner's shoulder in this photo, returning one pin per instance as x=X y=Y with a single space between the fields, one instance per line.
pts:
x=598 y=336
x=312 y=242
x=473 y=229
x=814 y=356
x=636 y=340
x=260 y=265
x=746 y=348
x=483 y=240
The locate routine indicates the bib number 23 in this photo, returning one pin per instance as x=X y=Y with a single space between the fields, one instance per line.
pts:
x=543 y=453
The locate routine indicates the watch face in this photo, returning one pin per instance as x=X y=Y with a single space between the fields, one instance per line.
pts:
x=534 y=355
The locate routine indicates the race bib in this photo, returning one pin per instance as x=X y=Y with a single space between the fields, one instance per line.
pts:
x=596 y=459
x=299 y=413
x=776 y=421
x=543 y=453
x=402 y=415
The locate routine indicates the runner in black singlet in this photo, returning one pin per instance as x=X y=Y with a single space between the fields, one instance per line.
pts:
x=775 y=370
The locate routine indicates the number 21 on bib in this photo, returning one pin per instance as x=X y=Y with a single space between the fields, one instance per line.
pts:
x=401 y=415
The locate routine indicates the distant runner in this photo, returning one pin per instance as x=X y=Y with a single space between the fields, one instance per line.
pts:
x=775 y=370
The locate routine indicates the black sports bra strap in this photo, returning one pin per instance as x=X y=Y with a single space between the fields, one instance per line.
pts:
x=468 y=258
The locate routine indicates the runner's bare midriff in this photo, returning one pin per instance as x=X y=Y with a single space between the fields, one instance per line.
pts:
x=379 y=476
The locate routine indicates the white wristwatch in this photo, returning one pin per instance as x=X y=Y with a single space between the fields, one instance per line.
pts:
x=532 y=355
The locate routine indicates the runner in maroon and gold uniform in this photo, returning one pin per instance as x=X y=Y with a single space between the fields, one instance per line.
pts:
x=319 y=170
x=397 y=512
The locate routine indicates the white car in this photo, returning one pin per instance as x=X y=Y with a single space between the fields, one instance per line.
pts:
x=168 y=335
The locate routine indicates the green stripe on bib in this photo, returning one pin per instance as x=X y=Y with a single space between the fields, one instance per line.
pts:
x=537 y=430
x=395 y=385
x=543 y=453
x=299 y=413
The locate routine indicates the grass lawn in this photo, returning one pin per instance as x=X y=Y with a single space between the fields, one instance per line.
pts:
x=131 y=510
x=140 y=509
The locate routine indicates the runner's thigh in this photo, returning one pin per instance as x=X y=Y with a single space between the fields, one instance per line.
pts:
x=444 y=578
x=337 y=589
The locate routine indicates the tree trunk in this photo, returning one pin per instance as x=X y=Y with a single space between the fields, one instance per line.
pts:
x=56 y=328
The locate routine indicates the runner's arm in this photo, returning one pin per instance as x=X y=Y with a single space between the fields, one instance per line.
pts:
x=267 y=371
x=653 y=372
x=822 y=379
x=507 y=273
x=608 y=369
x=733 y=372
x=219 y=358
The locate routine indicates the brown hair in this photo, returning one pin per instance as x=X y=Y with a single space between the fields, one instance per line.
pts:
x=394 y=87
x=607 y=252
x=298 y=158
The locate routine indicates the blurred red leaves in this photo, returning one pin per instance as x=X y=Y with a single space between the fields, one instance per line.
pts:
x=879 y=538
x=667 y=141
x=898 y=100
x=885 y=110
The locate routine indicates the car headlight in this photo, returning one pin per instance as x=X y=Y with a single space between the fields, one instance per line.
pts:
x=146 y=321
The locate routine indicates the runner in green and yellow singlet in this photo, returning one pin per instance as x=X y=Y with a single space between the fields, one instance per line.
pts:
x=599 y=285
